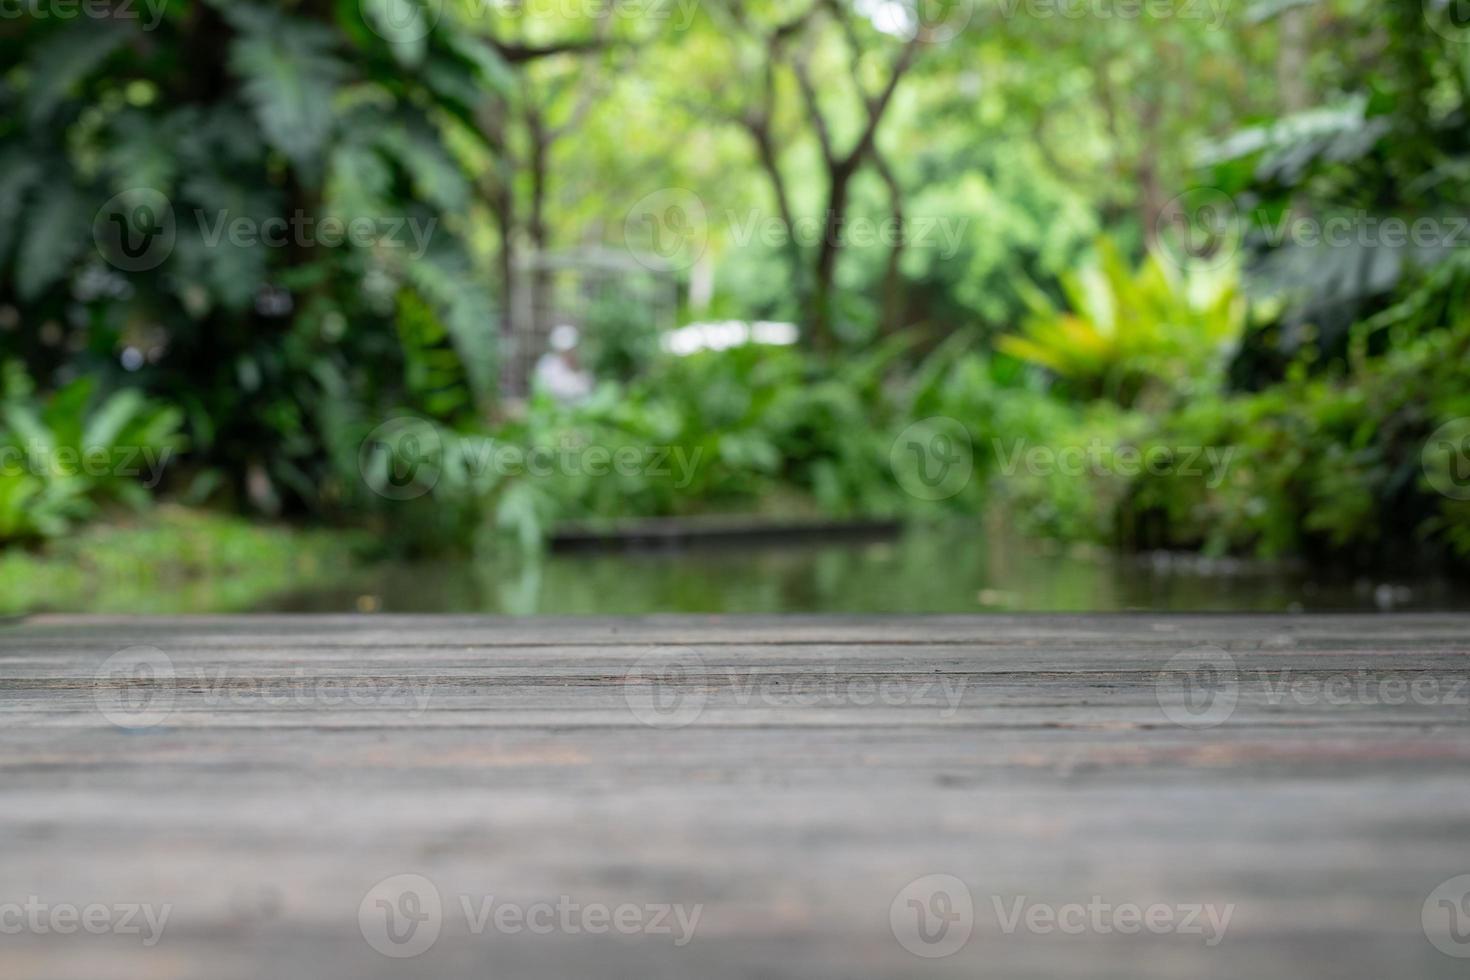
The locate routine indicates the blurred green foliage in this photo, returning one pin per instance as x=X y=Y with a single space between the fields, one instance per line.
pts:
x=1123 y=330
x=64 y=458
x=169 y=189
x=173 y=560
x=1040 y=168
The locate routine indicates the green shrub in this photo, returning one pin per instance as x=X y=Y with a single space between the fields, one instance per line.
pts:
x=1126 y=331
x=62 y=459
x=1325 y=464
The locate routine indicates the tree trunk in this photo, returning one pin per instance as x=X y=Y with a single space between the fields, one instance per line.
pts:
x=541 y=285
x=821 y=330
x=893 y=299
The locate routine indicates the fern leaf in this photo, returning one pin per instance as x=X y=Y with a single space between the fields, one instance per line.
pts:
x=404 y=24
x=468 y=314
x=19 y=173
x=67 y=58
x=116 y=413
x=420 y=151
x=56 y=230
x=290 y=75
x=493 y=69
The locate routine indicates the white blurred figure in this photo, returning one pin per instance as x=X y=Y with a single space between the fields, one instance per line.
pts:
x=558 y=373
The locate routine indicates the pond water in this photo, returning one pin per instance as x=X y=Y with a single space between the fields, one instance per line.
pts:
x=944 y=569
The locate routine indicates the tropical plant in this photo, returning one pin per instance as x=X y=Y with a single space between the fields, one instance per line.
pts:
x=241 y=197
x=1124 y=330
x=63 y=458
x=1368 y=140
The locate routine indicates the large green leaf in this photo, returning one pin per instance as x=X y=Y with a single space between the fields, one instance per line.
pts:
x=146 y=151
x=103 y=427
x=467 y=310
x=19 y=173
x=437 y=178
x=358 y=182
x=54 y=231
x=492 y=67
x=290 y=76
x=209 y=252
x=404 y=24
x=64 y=59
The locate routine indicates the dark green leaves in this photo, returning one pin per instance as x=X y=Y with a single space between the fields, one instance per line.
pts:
x=290 y=75
x=67 y=57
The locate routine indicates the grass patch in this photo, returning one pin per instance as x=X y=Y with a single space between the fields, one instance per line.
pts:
x=172 y=560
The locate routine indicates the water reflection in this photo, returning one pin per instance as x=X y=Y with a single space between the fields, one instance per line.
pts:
x=944 y=569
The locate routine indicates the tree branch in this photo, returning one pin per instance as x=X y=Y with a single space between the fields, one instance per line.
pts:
x=877 y=107
x=517 y=54
x=814 y=110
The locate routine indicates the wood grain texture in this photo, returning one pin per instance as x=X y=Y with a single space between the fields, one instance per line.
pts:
x=791 y=777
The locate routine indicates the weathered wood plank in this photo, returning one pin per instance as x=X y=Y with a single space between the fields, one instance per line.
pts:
x=790 y=777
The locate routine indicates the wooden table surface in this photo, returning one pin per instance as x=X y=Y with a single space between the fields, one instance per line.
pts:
x=711 y=797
